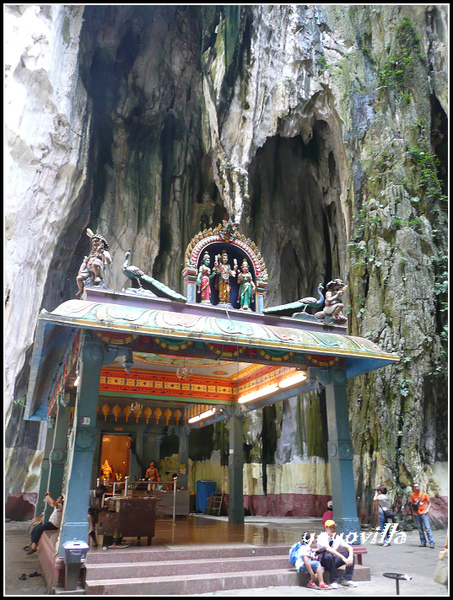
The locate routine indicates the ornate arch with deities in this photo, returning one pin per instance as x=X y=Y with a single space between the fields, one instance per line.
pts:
x=227 y=236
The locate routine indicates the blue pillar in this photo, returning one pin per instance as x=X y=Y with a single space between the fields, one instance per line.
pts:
x=341 y=453
x=43 y=486
x=82 y=444
x=58 y=454
x=235 y=465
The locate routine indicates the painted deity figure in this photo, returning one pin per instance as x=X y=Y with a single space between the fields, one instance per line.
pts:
x=92 y=267
x=203 y=277
x=107 y=470
x=333 y=306
x=246 y=286
x=224 y=271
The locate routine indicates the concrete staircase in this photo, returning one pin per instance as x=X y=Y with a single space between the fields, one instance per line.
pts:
x=185 y=570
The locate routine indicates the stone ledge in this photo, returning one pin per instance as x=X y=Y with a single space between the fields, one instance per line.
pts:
x=360 y=574
x=52 y=564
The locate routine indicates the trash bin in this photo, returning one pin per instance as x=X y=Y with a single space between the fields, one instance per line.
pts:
x=205 y=489
x=74 y=558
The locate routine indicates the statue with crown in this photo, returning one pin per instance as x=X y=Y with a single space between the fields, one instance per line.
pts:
x=224 y=268
x=247 y=286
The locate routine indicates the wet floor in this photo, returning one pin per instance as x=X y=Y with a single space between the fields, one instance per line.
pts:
x=197 y=530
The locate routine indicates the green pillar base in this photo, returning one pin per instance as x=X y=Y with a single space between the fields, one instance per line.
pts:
x=351 y=528
x=340 y=452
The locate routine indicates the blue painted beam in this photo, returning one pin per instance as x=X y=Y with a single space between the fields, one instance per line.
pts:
x=340 y=453
x=82 y=445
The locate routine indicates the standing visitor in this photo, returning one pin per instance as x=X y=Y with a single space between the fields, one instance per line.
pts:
x=420 y=505
x=94 y=508
x=381 y=501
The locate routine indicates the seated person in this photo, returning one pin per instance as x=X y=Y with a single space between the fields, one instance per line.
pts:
x=333 y=552
x=171 y=484
x=52 y=524
x=307 y=562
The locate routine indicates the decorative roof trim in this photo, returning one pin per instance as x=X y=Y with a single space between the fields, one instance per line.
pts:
x=103 y=316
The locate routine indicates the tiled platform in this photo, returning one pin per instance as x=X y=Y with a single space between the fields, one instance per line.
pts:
x=198 y=555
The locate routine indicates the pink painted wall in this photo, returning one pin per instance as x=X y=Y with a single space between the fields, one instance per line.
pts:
x=284 y=505
x=20 y=507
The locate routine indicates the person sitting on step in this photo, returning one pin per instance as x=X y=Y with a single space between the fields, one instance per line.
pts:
x=333 y=552
x=52 y=524
x=303 y=557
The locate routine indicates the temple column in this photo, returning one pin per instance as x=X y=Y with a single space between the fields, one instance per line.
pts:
x=341 y=453
x=137 y=460
x=260 y=287
x=183 y=475
x=152 y=448
x=82 y=443
x=58 y=454
x=236 y=465
x=190 y=288
x=45 y=467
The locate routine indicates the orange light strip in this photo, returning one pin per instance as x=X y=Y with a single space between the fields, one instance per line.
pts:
x=287 y=382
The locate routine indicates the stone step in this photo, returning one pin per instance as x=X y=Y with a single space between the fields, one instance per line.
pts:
x=122 y=570
x=199 y=569
x=179 y=585
x=361 y=573
x=191 y=584
x=159 y=553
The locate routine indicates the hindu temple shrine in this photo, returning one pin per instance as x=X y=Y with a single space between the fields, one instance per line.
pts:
x=116 y=373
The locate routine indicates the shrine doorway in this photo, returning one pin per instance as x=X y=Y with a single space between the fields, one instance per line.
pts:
x=115 y=449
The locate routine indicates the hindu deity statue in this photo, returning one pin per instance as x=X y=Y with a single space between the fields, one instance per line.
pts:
x=224 y=271
x=107 y=471
x=203 y=277
x=333 y=308
x=246 y=286
x=91 y=270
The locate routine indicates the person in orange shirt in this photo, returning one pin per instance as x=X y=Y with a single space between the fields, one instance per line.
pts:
x=421 y=515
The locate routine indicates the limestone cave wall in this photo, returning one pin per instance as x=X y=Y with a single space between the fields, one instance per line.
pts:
x=320 y=129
